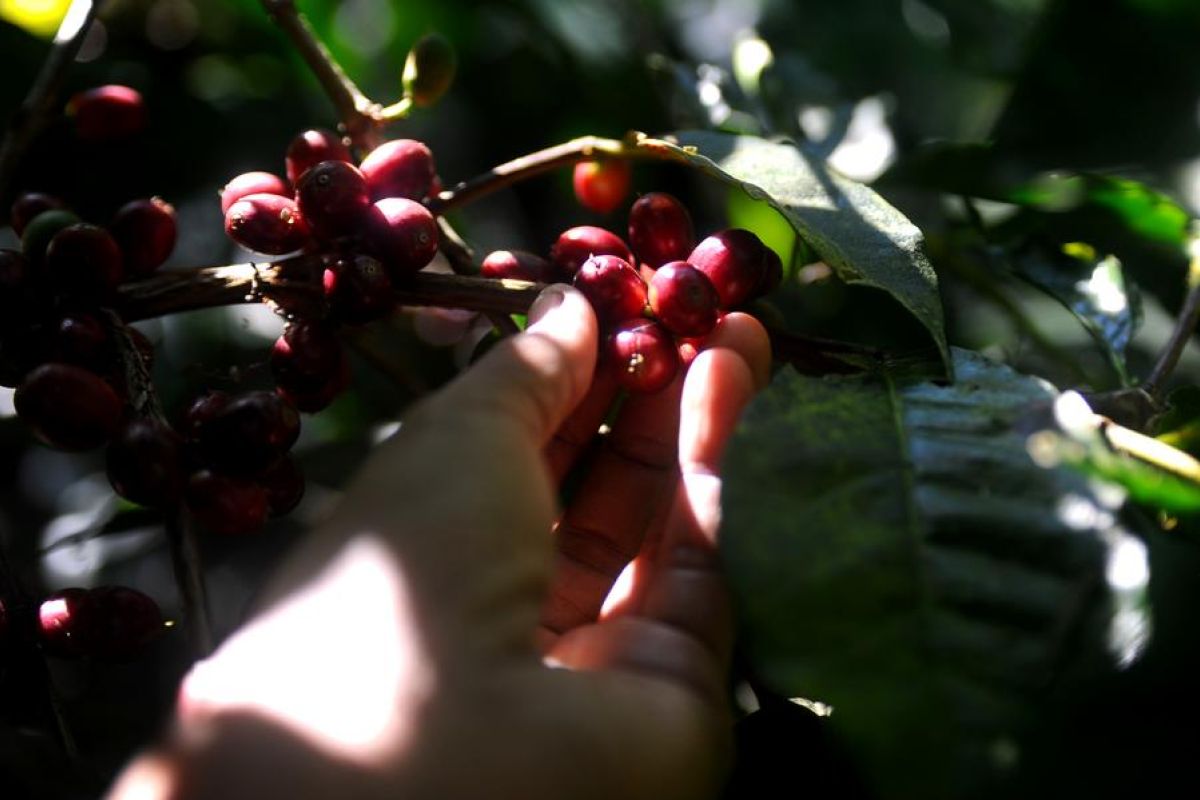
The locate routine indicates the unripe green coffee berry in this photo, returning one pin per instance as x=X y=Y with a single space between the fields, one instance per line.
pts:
x=429 y=69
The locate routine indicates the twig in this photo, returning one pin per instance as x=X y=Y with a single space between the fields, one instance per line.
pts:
x=462 y=261
x=1169 y=359
x=39 y=103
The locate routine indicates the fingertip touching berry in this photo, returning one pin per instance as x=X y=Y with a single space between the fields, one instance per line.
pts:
x=310 y=148
x=333 y=198
x=29 y=205
x=144 y=462
x=660 y=229
x=518 y=265
x=642 y=355
x=68 y=407
x=252 y=183
x=358 y=289
x=145 y=230
x=733 y=260
x=683 y=299
x=224 y=505
x=613 y=287
x=84 y=261
x=267 y=223
x=399 y=168
x=107 y=112
x=576 y=245
x=402 y=234
x=601 y=186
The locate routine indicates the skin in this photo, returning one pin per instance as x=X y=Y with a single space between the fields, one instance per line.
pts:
x=470 y=650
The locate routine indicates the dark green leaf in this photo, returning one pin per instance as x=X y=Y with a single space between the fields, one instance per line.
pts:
x=896 y=553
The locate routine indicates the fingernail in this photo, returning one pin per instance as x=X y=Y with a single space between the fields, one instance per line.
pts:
x=551 y=298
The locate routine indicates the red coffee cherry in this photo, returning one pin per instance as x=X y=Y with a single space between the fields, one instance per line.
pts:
x=333 y=198
x=29 y=205
x=145 y=231
x=284 y=484
x=121 y=622
x=518 y=265
x=734 y=261
x=601 y=186
x=660 y=229
x=267 y=223
x=683 y=299
x=201 y=411
x=358 y=290
x=224 y=505
x=402 y=234
x=107 y=112
x=642 y=355
x=64 y=622
x=399 y=168
x=81 y=338
x=576 y=245
x=67 y=407
x=311 y=398
x=84 y=261
x=247 y=434
x=145 y=462
x=247 y=183
x=42 y=229
x=613 y=287
x=309 y=365
x=310 y=148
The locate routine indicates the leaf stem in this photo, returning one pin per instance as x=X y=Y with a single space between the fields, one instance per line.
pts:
x=1155 y=384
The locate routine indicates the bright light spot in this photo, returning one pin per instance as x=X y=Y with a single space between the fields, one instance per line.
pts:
x=256 y=319
x=816 y=122
x=7 y=409
x=926 y=23
x=149 y=778
x=1082 y=514
x=621 y=590
x=1074 y=415
x=815 y=706
x=868 y=147
x=338 y=663
x=1106 y=287
x=751 y=55
x=1128 y=565
x=381 y=433
x=39 y=17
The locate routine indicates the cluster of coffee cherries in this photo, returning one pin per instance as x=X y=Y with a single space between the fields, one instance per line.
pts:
x=368 y=222
x=111 y=623
x=674 y=295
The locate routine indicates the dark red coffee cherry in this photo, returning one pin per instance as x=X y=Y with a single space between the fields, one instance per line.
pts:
x=576 y=245
x=518 y=265
x=312 y=397
x=358 y=290
x=429 y=69
x=121 y=622
x=68 y=407
x=310 y=148
x=145 y=462
x=145 y=231
x=399 y=168
x=28 y=206
x=224 y=505
x=249 y=433
x=642 y=356
x=772 y=273
x=201 y=411
x=309 y=365
x=333 y=198
x=284 y=484
x=42 y=229
x=81 y=338
x=660 y=229
x=267 y=223
x=601 y=186
x=84 y=261
x=107 y=112
x=734 y=261
x=402 y=234
x=613 y=287
x=247 y=183
x=64 y=623
x=683 y=299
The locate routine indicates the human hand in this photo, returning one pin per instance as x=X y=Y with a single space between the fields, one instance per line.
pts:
x=407 y=649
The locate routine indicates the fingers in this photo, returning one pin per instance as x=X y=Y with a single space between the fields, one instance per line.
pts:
x=573 y=436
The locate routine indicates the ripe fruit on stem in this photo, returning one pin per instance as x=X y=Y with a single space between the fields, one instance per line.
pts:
x=225 y=505
x=41 y=229
x=518 y=265
x=576 y=245
x=252 y=183
x=310 y=148
x=145 y=462
x=267 y=223
x=107 y=112
x=145 y=232
x=601 y=186
x=68 y=407
x=660 y=229
x=121 y=622
x=358 y=290
x=246 y=434
x=81 y=338
x=613 y=287
x=333 y=198
x=642 y=355
x=64 y=622
x=734 y=260
x=683 y=299
x=399 y=168
x=84 y=261
x=402 y=234
x=309 y=365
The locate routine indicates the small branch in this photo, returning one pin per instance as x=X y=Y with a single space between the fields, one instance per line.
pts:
x=1184 y=326
x=462 y=261
x=42 y=99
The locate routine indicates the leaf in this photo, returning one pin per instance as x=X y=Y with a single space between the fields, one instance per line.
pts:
x=856 y=232
x=896 y=553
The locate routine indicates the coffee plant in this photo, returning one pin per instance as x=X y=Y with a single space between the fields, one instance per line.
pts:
x=960 y=524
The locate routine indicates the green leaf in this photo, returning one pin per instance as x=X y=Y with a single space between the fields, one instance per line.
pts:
x=896 y=553
x=856 y=232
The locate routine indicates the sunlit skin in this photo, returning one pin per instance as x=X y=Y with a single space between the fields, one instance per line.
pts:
x=441 y=635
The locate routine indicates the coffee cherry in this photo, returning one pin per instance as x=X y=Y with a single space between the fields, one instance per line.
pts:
x=68 y=407
x=429 y=69
x=81 y=338
x=226 y=506
x=358 y=290
x=402 y=234
x=121 y=622
x=310 y=148
x=28 y=206
x=772 y=273
x=613 y=287
x=145 y=462
x=64 y=622
x=309 y=365
x=203 y=409
x=145 y=231
x=333 y=198
x=267 y=223
x=41 y=230
x=84 y=261
x=642 y=355
x=576 y=245
x=248 y=433
x=252 y=183
x=734 y=261
x=284 y=484
x=518 y=265
x=311 y=398
x=683 y=299
x=601 y=186
x=660 y=229
x=399 y=168
x=107 y=112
